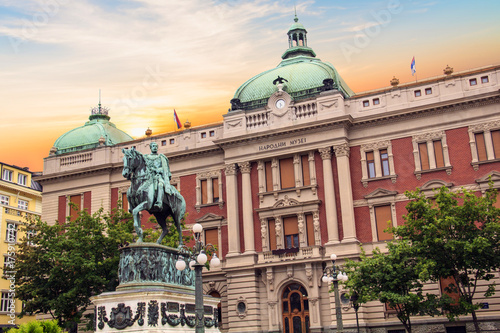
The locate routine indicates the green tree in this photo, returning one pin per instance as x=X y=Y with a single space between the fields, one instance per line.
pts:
x=393 y=279
x=36 y=326
x=61 y=266
x=172 y=238
x=458 y=236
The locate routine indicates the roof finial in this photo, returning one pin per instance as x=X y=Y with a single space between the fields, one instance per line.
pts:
x=295 y=8
x=99 y=100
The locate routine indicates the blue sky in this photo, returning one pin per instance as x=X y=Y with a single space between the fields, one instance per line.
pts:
x=151 y=56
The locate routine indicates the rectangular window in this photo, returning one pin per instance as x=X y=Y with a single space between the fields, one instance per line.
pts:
x=269 y=176
x=272 y=234
x=8 y=263
x=11 y=233
x=472 y=82
x=203 y=135
x=310 y=230
x=384 y=159
x=286 y=173
x=291 y=229
x=449 y=287
x=481 y=147
x=438 y=153
x=456 y=329
x=22 y=204
x=4 y=200
x=382 y=216
x=212 y=237
x=418 y=93
x=204 y=193
x=215 y=189
x=495 y=138
x=172 y=141
x=428 y=91
x=124 y=202
x=484 y=79
x=370 y=163
x=212 y=133
x=163 y=142
x=22 y=179
x=7 y=175
x=5 y=302
x=424 y=156
x=376 y=101
x=366 y=103
x=306 y=177
x=77 y=201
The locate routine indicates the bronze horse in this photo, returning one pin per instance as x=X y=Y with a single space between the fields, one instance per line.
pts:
x=141 y=196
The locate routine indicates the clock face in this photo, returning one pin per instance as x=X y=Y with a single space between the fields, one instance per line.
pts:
x=280 y=103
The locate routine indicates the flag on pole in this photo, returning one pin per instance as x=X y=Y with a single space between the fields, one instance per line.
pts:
x=412 y=67
x=177 y=121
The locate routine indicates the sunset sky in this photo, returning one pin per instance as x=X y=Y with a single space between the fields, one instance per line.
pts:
x=151 y=56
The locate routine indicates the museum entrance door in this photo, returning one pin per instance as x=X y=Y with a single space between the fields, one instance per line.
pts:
x=295 y=309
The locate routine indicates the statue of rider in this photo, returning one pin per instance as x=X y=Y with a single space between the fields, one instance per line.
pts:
x=159 y=170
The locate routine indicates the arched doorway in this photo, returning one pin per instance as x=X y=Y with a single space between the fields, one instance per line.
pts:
x=219 y=309
x=295 y=307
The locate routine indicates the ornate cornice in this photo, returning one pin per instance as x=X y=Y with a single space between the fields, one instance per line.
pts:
x=428 y=136
x=375 y=145
x=485 y=126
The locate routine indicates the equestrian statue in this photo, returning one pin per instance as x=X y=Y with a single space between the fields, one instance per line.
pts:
x=150 y=190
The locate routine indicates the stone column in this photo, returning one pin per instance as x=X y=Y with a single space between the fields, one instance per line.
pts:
x=346 y=201
x=246 y=191
x=233 y=223
x=330 y=204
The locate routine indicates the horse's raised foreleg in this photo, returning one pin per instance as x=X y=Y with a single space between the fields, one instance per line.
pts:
x=137 y=220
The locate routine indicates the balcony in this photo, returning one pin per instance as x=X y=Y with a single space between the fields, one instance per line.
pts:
x=291 y=254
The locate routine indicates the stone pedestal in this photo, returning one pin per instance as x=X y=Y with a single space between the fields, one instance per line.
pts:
x=153 y=296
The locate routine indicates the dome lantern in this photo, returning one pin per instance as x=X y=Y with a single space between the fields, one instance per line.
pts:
x=297 y=41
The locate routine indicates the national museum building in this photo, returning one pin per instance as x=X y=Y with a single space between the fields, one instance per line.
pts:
x=301 y=167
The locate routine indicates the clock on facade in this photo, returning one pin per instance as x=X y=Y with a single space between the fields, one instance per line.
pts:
x=280 y=103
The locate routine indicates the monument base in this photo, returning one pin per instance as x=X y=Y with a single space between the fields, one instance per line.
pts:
x=152 y=296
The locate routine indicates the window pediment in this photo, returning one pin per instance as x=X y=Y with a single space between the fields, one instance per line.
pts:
x=483 y=181
x=435 y=183
x=286 y=201
x=380 y=193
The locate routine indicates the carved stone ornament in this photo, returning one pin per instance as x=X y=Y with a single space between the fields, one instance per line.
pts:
x=120 y=317
x=208 y=174
x=231 y=169
x=342 y=150
x=153 y=313
x=286 y=201
x=245 y=167
x=101 y=317
x=375 y=145
x=485 y=126
x=428 y=136
x=326 y=153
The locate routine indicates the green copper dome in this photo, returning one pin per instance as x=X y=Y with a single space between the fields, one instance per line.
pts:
x=304 y=75
x=97 y=131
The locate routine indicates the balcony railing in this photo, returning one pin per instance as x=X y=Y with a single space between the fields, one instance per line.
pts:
x=291 y=254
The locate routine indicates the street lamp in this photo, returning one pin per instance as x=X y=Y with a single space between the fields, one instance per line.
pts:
x=198 y=258
x=355 y=305
x=333 y=274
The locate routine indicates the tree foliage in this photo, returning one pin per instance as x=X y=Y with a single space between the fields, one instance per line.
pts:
x=61 y=266
x=393 y=279
x=458 y=236
x=172 y=238
x=36 y=326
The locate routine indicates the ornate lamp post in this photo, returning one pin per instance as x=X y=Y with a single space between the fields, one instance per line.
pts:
x=355 y=305
x=333 y=274
x=198 y=259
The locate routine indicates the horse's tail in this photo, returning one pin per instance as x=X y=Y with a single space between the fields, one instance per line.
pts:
x=177 y=204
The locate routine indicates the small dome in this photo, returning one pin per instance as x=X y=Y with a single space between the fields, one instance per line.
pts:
x=303 y=74
x=97 y=131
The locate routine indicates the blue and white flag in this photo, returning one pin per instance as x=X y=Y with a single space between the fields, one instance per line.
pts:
x=412 y=66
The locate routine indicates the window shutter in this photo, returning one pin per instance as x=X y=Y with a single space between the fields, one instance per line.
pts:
x=77 y=200
x=382 y=216
x=495 y=137
x=215 y=189
x=269 y=176
x=212 y=237
x=204 y=191
x=438 y=152
x=424 y=156
x=310 y=230
x=480 y=146
x=125 y=202
x=306 y=176
x=272 y=234
x=286 y=173
x=290 y=225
